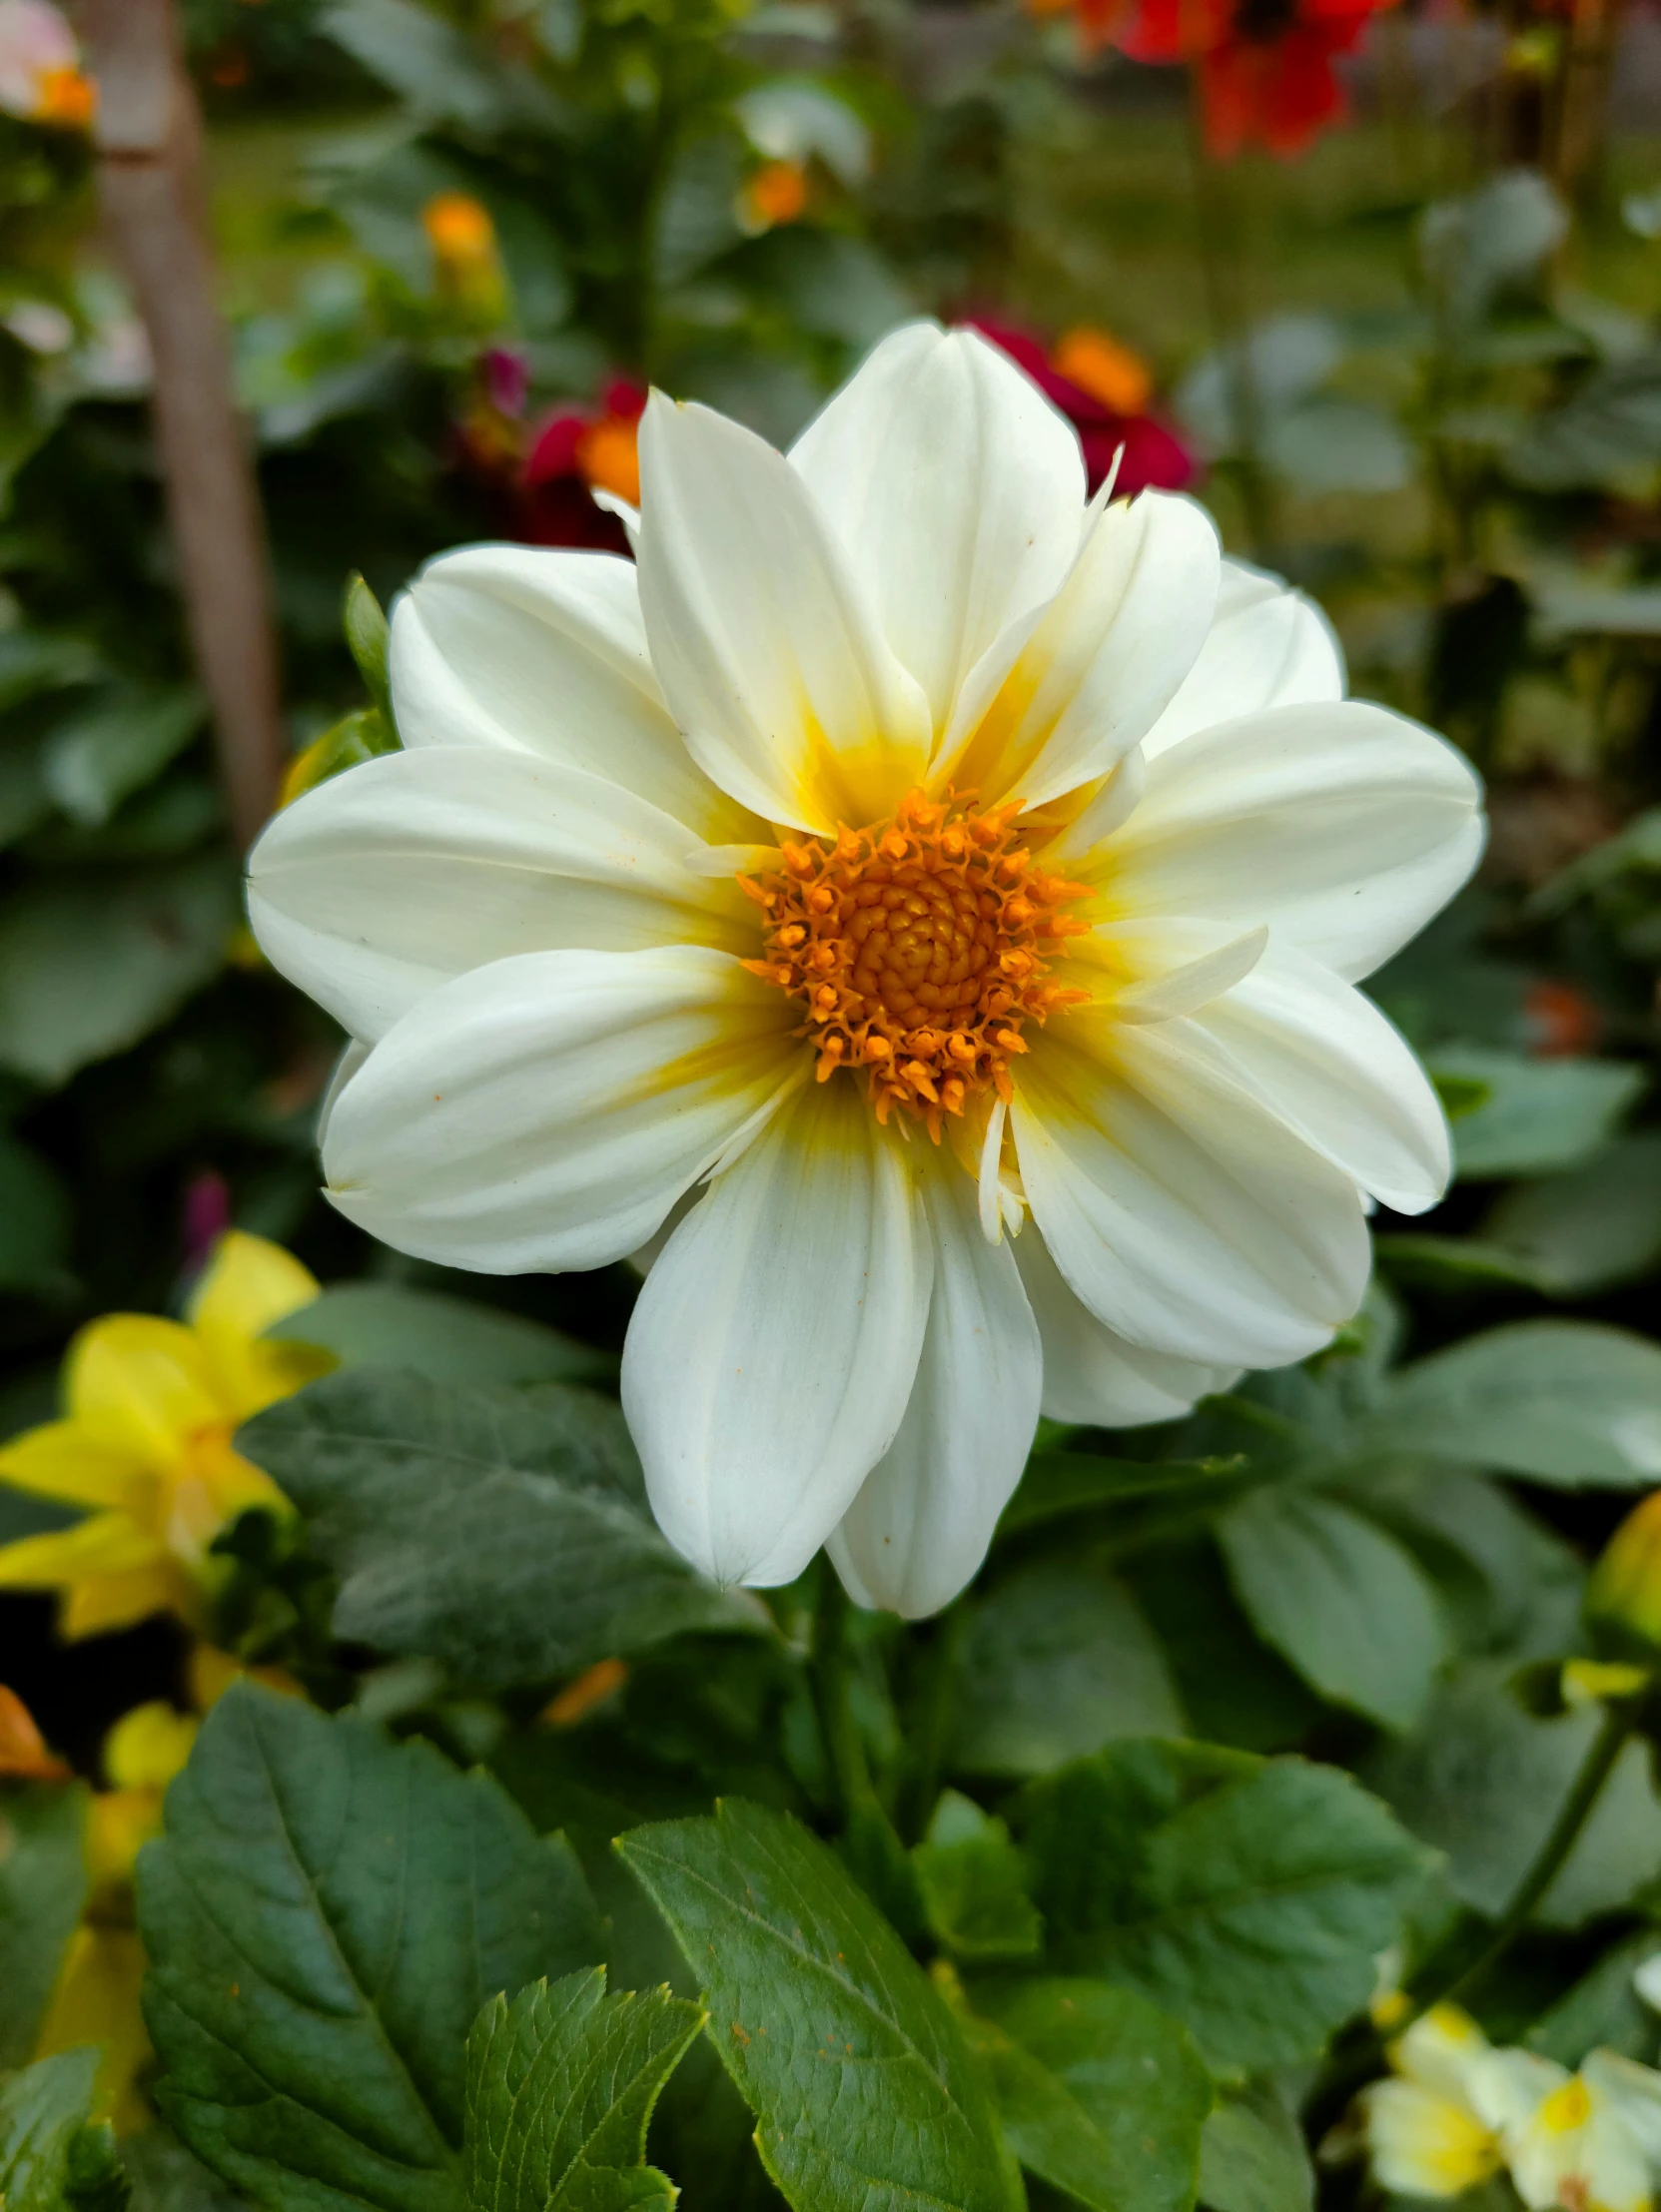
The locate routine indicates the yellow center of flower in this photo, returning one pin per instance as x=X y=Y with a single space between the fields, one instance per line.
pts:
x=920 y=947
x=1566 y=2108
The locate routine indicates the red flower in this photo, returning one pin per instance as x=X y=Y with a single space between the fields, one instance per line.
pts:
x=574 y=453
x=1104 y=394
x=1265 y=66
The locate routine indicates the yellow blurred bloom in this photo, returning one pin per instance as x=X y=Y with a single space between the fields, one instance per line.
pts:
x=1109 y=371
x=1625 y=1586
x=1590 y=1681
x=146 y=1444
x=776 y=193
x=96 y=1996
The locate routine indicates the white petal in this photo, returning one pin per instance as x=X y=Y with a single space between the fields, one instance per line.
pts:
x=352 y=1056
x=774 y=1345
x=1345 y=827
x=1267 y=646
x=1106 y=656
x=547 y=1112
x=1632 y=2092
x=546 y=651
x=921 y=1525
x=385 y=882
x=769 y=655
x=1333 y=1067
x=955 y=488
x=1092 y=1376
x=1183 y=1214
x=1195 y=983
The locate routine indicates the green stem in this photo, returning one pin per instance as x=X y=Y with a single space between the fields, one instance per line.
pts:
x=1223 y=309
x=1619 y=1720
x=934 y=1727
x=828 y=1664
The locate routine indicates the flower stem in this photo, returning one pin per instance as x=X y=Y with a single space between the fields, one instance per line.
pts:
x=828 y=1665
x=1619 y=1720
x=934 y=1722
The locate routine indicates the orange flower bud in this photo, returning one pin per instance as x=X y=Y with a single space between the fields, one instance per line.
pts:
x=1109 y=371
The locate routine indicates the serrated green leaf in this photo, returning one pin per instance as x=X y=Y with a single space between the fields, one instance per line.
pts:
x=1567 y=1403
x=973 y=1884
x=503 y=1533
x=42 y=2111
x=1100 y=2094
x=1338 y=1598
x=383 y=1325
x=324 y=1915
x=864 y=2090
x=367 y=638
x=43 y=1887
x=1249 y=1898
x=560 y=2085
x=1253 y=2156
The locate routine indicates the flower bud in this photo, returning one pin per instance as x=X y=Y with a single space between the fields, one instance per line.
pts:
x=1624 y=1592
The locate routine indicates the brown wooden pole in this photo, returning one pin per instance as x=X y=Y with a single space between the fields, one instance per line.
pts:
x=148 y=139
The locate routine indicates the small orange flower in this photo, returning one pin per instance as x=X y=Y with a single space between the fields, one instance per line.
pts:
x=1097 y=364
x=463 y=242
x=23 y=1753
x=608 y=456
x=66 y=98
x=775 y=194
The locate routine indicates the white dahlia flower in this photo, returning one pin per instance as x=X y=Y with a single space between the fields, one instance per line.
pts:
x=923 y=906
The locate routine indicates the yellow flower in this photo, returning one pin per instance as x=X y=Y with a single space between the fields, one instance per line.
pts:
x=96 y=1996
x=146 y=1443
x=1625 y=1587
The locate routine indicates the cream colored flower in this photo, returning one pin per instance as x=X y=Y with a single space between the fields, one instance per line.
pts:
x=1583 y=2142
x=956 y=890
x=1427 y=2131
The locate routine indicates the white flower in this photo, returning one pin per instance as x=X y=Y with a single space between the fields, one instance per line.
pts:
x=40 y=74
x=1584 y=2142
x=1427 y=2133
x=1456 y=2109
x=608 y=918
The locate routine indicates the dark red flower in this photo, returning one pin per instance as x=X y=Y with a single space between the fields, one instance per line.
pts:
x=1110 y=417
x=574 y=453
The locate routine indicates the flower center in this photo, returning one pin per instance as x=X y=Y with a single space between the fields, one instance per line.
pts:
x=920 y=947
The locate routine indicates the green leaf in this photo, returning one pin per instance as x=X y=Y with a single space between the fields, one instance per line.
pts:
x=34 y=1220
x=1482 y=1780
x=1537 y=1114
x=94 y=758
x=366 y=634
x=1253 y=2156
x=1100 y=2092
x=383 y=1325
x=166 y=2177
x=42 y=2111
x=90 y=965
x=1338 y=1598
x=973 y=1884
x=43 y=1887
x=361 y=735
x=325 y=1915
x=560 y=2085
x=1057 y=1660
x=1247 y=1897
x=442 y=74
x=503 y=1534
x=1060 y=1483
x=97 y=2181
x=864 y=2090
x=1586 y=1232
x=1567 y=1403
x=1602 y=2009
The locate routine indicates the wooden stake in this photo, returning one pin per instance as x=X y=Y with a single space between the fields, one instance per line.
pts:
x=149 y=140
